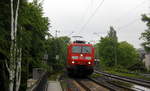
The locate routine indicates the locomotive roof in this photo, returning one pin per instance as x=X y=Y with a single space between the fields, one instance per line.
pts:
x=80 y=44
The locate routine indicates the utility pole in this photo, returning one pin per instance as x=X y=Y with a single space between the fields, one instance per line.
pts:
x=56 y=56
x=115 y=55
x=56 y=31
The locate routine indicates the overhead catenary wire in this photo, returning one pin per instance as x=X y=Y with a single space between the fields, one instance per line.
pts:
x=86 y=10
x=127 y=12
x=133 y=21
x=88 y=20
x=129 y=24
x=55 y=26
x=84 y=15
x=70 y=33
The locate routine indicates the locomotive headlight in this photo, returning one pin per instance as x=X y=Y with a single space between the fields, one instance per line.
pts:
x=88 y=58
x=72 y=62
x=89 y=62
x=74 y=57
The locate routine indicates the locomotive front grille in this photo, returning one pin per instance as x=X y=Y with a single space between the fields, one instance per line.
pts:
x=81 y=57
x=82 y=63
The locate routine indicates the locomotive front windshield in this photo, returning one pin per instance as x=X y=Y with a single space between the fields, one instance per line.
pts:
x=81 y=49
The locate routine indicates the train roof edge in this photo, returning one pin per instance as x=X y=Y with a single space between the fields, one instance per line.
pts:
x=81 y=42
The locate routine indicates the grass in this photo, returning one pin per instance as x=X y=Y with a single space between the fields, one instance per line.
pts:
x=127 y=74
x=94 y=75
x=122 y=83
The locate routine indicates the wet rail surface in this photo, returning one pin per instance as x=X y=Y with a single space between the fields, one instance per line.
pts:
x=110 y=85
x=90 y=85
x=93 y=84
x=102 y=83
x=128 y=79
x=137 y=84
x=82 y=84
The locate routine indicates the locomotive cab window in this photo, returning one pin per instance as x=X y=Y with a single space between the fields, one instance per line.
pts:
x=81 y=49
x=86 y=49
x=76 y=49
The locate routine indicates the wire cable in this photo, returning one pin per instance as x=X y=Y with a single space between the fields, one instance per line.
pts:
x=133 y=9
x=88 y=20
x=128 y=24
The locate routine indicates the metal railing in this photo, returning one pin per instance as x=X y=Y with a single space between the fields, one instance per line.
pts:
x=41 y=84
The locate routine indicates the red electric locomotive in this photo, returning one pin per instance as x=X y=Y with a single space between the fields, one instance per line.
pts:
x=80 y=58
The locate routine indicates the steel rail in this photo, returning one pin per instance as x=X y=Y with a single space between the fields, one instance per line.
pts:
x=83 y=85
x=121 y=86
x=87 y=88
x=127 y=79
x=108 y=86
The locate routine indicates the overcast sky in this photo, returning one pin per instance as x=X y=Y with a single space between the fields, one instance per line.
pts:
x=69 y=16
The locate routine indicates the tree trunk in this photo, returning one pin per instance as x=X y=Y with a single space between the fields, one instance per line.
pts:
x=10 y=69
x=11 y=78
x=17 y=51
x=18 y=71
x=14 y=67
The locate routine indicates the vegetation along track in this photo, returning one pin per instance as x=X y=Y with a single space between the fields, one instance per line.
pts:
x=127 y=79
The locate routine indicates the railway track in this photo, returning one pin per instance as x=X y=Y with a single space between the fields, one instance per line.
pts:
x=92 y=84
x=86 y=88
x=102 y=83
x=110 y=85
x=126 y=79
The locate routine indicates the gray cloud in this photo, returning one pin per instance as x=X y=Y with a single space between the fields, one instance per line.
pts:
x=124 y=15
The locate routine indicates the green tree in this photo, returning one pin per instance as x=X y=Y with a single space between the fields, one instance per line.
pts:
x=106 y=51
x=32 y=28
x=57 y=46
x=108 y=48
x=96 y=46
x=127 y=55
x=146 y=35
x=4 y=42
x=112 y=34
x=115 y=54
